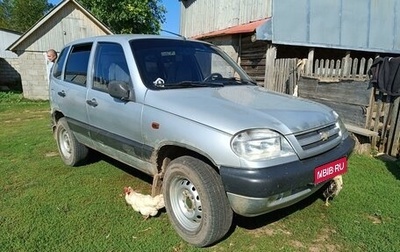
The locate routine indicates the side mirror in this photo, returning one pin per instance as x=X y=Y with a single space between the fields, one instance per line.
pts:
x=119 y=90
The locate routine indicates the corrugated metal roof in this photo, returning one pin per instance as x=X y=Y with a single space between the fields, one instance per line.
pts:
x=363 y=25
x=7 y=37
x=243 y=28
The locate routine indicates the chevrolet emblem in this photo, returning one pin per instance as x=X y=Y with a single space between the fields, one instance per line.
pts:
x=324 y=136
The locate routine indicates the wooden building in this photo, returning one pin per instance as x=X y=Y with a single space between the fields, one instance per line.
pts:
x=257 y=32
x=9 y=76
x=300 y=46
x=64 y=23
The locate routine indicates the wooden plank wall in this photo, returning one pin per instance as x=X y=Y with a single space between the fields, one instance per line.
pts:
x=385 y=119
x=252 y=58
x=340 y=84
x=201 y=17
x=285 y=75
x=349 y=98
x=343 y=86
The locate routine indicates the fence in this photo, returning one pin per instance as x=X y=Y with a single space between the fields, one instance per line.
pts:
x=284 y=77
x=384 y=118
x=345 y=68
x=380 y=115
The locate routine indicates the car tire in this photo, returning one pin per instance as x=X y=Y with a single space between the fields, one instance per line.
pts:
x=196 y=202
x=72 y=152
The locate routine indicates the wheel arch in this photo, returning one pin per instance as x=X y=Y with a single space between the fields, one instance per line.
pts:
x=173 y=151
x=55 y=116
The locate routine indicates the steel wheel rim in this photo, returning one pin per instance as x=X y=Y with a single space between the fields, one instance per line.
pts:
x=65 y=143
x=186 y=203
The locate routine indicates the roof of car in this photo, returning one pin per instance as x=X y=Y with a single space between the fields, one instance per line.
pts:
x=125 y=37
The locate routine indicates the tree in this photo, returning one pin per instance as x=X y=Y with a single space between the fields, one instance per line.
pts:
x=27 y=13
x=20 y=15
x=128 y=16
x=5 y=13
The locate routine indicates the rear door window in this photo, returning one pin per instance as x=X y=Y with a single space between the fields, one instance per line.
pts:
x=77 y=64
x=58 y=66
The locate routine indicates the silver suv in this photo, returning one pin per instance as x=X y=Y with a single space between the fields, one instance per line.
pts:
x=185 y=113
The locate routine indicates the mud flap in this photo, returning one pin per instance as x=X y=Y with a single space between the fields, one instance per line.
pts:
x=156 y=187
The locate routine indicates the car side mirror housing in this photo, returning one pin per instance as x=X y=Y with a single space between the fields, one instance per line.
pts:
x=119 y=90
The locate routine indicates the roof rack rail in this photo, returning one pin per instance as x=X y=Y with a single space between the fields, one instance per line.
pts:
x=173 y=33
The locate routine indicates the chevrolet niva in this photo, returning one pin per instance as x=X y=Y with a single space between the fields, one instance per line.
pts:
x=185 y=113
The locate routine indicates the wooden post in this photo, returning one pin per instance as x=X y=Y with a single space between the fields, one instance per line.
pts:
x=377 y=117
x=346 y=65
x=270 y=67
x=354 y=68
x=394 y=134
x=362 y=69
x=310 y=63
x=337 y=69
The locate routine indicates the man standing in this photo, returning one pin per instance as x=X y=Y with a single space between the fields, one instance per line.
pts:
x=51 y=56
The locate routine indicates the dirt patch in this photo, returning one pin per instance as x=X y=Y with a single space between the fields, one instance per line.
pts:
x=26 y=115
x=51 y=154
x=322 y=242
x=375 y=219
x=270 y=230
x=297 y=244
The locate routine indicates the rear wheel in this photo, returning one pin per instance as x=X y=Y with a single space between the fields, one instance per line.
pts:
x=72 y=152
x=196 y=202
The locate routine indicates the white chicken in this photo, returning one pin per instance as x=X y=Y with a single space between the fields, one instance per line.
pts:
x=144 y=204
x=333 y=189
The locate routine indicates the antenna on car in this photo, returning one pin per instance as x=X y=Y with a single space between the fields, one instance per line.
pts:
x=173 y=33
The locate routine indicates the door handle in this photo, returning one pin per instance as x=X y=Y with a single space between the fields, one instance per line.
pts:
x=92 y=102
x=61 y=93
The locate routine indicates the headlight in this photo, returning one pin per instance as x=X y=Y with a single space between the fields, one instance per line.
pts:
x=343 y=130
x=260 y=144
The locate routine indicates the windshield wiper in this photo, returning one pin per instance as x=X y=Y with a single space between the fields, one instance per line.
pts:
x=185 y=84
x=237 y=81
x=251 y=82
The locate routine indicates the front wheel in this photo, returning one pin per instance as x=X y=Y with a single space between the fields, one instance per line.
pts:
x=196 y=202
x=72 y=152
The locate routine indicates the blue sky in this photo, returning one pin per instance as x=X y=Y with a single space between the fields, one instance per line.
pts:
x=172 y=15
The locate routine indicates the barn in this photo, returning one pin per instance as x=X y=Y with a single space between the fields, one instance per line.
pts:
x=319 y=50
x=64 y=23
x=257 y=32
x=9 y=76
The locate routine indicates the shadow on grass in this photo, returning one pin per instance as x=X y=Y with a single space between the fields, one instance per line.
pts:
x=95 y=157
x=252 y=223
x=394 y=168
x=249 y=223
x=268 y=218
x=392 y=164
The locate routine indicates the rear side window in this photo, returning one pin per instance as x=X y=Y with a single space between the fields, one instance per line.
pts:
x=58 y=67
x=77 y=64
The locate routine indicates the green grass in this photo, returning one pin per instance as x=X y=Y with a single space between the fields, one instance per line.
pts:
x=47 y=206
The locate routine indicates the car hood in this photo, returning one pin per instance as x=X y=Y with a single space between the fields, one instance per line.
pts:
x=235 y=108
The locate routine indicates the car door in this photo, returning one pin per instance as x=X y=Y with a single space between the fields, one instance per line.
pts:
x=69 y=87
x=116 y=124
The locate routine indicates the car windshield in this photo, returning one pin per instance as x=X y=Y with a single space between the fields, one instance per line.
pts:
x=170 y=63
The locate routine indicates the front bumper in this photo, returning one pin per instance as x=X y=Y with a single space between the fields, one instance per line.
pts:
x=253 y=192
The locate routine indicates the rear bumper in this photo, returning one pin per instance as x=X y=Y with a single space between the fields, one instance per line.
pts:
x=253 y=192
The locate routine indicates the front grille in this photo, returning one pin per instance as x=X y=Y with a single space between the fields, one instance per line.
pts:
x=318 y=138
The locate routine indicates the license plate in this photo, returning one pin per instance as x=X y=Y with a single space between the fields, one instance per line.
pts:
x=330 y=170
